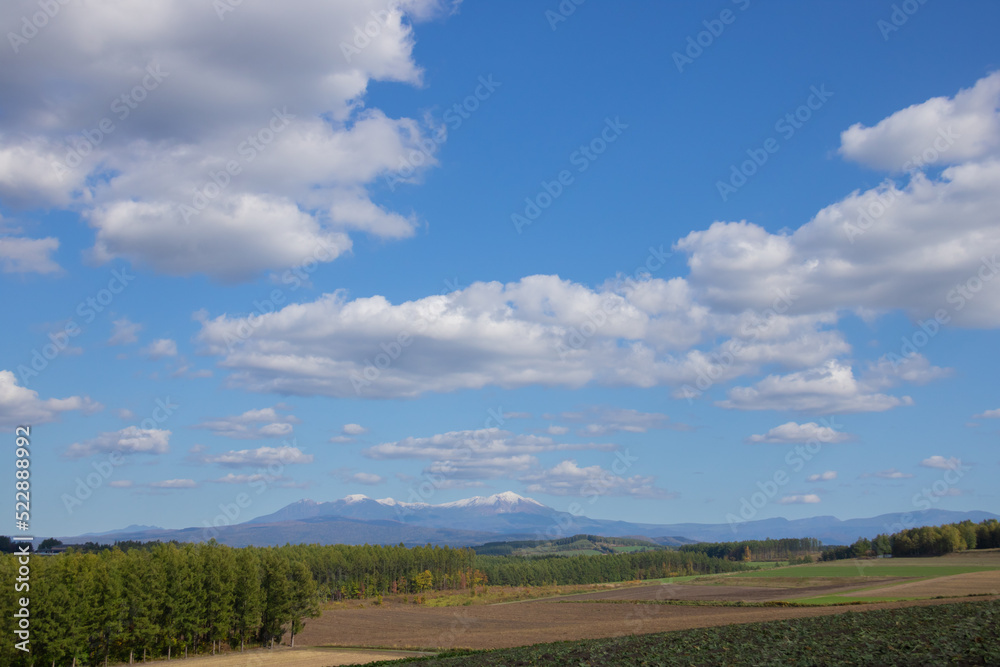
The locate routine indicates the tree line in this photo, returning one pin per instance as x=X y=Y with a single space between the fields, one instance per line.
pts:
x=923 y=541
x=132 y=601
x=162 y=601
x=783 y=549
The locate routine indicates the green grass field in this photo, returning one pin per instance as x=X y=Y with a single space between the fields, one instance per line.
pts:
x=966 y=633
x=864 y=570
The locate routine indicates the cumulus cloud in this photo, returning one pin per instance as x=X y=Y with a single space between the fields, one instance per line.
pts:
x=804 y=499
x=989 y=414
x=604 y=421
x=891 y=473
x=367 y=478
x=158 y=349
x=569 y=479
x=823 y=476
x=509 y=335
x=829 y=389
x=940 y=131
x=752 y=301
x=125 y=332
x=253 y=425
x=913 y=246
x=20 y=405
x=353 y=429
x=174 y=484
x=792 y=432
x=223 y=161
x=24 y=255
x=942 y=463
x=129 y=440
x=483 y=453
x=262 y=456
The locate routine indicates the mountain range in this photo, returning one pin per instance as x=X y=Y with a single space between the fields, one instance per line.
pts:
x=358 y=519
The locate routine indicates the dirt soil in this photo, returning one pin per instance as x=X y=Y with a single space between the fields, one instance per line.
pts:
x=509 y=625
x=295 y=657
x=740 y=593
x=971 y=583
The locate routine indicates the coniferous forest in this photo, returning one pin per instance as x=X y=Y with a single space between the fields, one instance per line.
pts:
x=155 y=600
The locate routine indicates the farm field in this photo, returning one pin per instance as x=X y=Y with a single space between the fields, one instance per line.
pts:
x=959 y=634
x=695 y=602
x=298 y=657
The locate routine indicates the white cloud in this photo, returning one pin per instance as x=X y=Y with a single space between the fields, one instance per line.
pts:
x=158 y=349
x=125 y=414
x=129 y=440
x=366 y=478
x=926 y=245
x=20 y=405
x=989 y=414
x=253 y=425
x=125 y=332
x=292 y=197
x=891 y=473
x=24 y=255
x=353 y=429
x=483 y=453
x=262 y=456
x=970 y=119
x=604 y=421
x=568 y=479
x=522 y=333
x=174 y=484
x=941 y=463
x=829 y=389
x=792 y=432
x=908 y=246
x=556 y=430
x=806 y=499
x=823 y=476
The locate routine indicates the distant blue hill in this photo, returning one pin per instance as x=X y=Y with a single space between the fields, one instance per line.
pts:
x=358 y=519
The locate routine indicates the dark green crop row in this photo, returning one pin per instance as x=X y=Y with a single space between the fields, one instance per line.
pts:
x=967 y=633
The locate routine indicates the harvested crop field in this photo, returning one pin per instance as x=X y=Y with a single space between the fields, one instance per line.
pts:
x=972 y=583
x=509 y=625
x=747 y=590
x=297 y=657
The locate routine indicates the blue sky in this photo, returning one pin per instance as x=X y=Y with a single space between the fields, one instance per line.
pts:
x=234 y=213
